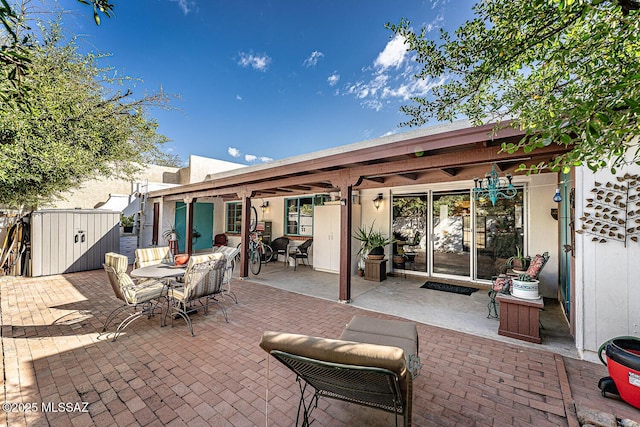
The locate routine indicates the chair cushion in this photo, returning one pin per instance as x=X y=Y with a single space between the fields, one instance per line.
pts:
x=117 y=261
x=143 y=292
x=536 y=265
x=153 y=256
x=337 y=351
x=388 y=332
x=502 y=283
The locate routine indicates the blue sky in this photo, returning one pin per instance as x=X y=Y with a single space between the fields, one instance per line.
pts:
x=263 y=80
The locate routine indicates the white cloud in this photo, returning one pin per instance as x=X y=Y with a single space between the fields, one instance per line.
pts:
x=185 y=5
x=371 y=88
x=312 y=60
x=257 y=62
x=266 y=159
x=333 y=79
x=390 y=79
x=250 y=158
x=393 y=54
x=233 y=152
x=238 y=97
x=435 y=23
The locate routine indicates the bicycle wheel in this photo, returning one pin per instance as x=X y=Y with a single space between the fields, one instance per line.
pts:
x=254 y=261
x=268 y=253
x=254 y=220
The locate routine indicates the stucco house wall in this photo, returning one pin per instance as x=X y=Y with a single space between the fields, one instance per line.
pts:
x=95 y=192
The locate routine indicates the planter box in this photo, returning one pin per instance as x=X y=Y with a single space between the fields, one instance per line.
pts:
x=520 y=318
x=375 y=269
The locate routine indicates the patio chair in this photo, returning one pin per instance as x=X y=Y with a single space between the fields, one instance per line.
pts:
x=371 y=375
x=230 y=254
x=202 y=285
x=503 y=282
x=279 y=247
x=301 y=252
x=152 y=256
x=142 y=296
x=220 y=240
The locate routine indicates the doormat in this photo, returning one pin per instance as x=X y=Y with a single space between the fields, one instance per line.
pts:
x=465 y=290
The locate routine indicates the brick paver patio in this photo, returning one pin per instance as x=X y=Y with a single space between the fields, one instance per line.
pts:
x=53 y=352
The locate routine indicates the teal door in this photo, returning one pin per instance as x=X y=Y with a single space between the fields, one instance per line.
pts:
x=202 y=225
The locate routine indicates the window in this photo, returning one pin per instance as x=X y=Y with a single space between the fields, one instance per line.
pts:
x=299 y=216
x=234 y=217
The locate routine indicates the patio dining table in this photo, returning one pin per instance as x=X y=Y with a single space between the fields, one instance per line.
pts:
x=159 y=271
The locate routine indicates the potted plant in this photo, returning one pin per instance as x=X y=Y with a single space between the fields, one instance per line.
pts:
x=518 y=262
x=525 y=287
x=372 y=242
x=126 y=222
x=171 y=233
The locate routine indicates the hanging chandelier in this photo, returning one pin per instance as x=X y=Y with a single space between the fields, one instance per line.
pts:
x=493 y=187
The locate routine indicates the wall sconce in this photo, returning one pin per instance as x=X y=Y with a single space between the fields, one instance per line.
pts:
x=264 y=206
x=377 y=201
x=557 y=197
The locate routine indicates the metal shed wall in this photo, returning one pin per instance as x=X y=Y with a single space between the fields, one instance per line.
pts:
x=65 y=241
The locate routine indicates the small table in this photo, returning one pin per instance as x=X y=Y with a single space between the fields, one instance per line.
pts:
x=520 y=318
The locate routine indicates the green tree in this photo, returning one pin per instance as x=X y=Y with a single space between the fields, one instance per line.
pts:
x=567 y=71
x=14 y=48
x=80 y=124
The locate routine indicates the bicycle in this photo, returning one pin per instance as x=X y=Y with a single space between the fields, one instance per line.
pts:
x=258 y=252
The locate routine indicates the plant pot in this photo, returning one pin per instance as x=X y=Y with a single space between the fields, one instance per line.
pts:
x=398 y=261
x=360 y=272
x=376 y=253
x=525 y=290
x=127 y=229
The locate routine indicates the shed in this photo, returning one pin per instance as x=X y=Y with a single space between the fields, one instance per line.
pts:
x=70 y=240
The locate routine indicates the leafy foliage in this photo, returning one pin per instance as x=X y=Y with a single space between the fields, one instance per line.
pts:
x=14 y=48
x=370 y=239
x=567 y=70
x=79 y=124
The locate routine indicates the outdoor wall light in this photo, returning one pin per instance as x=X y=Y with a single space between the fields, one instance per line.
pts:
x=557 y=197
x=264 y=206
x=377 y=201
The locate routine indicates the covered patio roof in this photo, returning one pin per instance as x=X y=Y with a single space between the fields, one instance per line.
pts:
x=448 y=152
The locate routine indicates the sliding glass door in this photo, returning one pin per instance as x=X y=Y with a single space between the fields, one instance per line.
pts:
x=410 y=232
x=499 y=230
x=451 y=237
x=436 y=233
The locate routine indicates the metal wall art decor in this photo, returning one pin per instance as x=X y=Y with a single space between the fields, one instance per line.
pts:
x=613 y=213
x=493 y=187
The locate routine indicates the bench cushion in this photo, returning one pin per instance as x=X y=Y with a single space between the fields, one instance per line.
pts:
x=382 y=332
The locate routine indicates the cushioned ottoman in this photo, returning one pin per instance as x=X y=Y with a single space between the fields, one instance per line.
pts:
x=394 y=333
